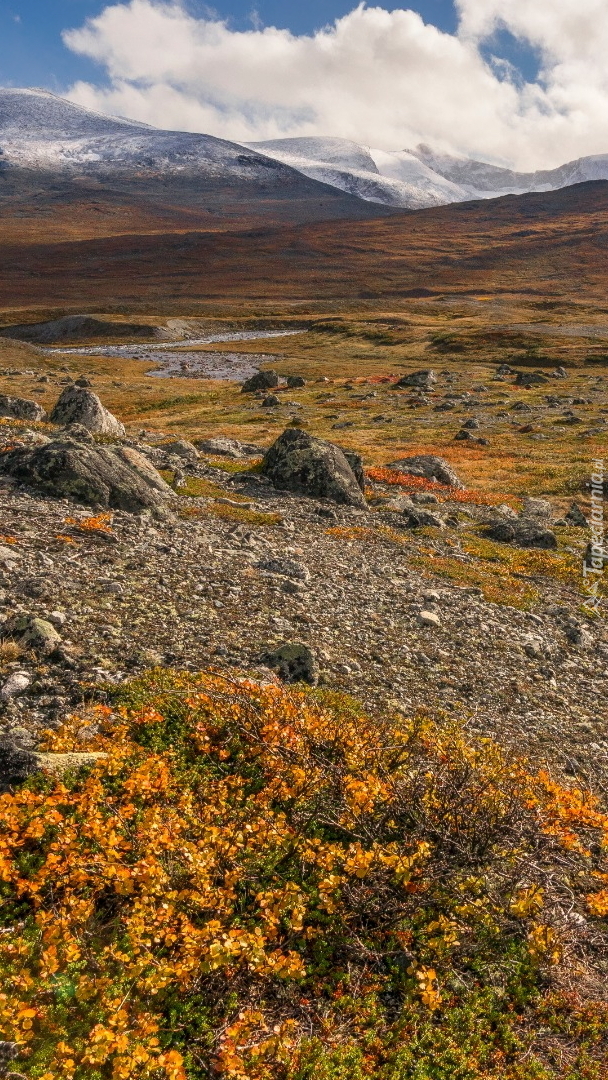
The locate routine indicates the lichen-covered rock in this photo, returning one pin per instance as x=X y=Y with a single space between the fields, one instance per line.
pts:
x=223 y=447
x=525 y=534
x=79 y=405
x=33 y=633
x=118 y=478
x=294 y=662
x=262 y=380
x=181 y=448
x=430 y=467
x=301 y=463
x=21 y=408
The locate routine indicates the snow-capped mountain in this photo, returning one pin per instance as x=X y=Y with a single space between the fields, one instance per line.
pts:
x=397 y=179
x=39 y=130
x=419 y=178
x=43 y=132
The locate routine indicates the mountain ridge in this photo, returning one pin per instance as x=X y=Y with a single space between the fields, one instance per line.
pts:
x=42 y=131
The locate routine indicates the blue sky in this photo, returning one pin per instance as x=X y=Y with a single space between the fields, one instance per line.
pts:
x=32 y=52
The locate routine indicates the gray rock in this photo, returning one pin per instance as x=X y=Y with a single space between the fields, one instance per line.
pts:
x=430 y=467
x=429 y=618
x=116 y=477
x=356 y=464
x=21 y=408
x=82 y=381
x=222 y=447
x=464 y=436
x=576 y=517
x=424 y=498
x=16 y=684
x=537 y=508
x=32 y=633
x=181 y=448
x=301 y=463
x=525 y=534
x=471 y=425
x=295 y=663
x=271 y=401
x=285 y=567
x=425 y=378
x=295 y=381
x=530 y=378
x=79 y=405
x=415 y=519
x=262 y=380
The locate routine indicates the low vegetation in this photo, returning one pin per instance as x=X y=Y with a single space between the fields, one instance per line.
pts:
x=262 y=884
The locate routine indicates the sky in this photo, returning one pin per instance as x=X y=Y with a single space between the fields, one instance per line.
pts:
x=518 y=82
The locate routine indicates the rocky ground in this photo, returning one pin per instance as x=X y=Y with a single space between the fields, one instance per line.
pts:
x=228 y=577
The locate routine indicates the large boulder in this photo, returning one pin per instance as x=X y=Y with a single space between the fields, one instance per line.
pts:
x=301 y=463
x=21 y=408
x=116 y=477
x=79 y=405
x=262 y=380
x=430 y=467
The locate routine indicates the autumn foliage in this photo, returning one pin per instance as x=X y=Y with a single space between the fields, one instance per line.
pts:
x=268 y=885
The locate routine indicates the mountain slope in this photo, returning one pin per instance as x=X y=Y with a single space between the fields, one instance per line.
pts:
x=398 y=179
x=87 y=175
x=419 y=178
x=542 y=245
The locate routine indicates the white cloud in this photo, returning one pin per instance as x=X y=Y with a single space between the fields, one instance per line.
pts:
x=383 y=78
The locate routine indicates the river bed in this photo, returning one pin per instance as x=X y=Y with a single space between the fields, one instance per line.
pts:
x=179 y=361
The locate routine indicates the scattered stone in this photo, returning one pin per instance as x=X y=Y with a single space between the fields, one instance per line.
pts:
x=575 y=516
x=530 y=378
x=223 y=447
x=429 y=467
x=415 y=519
x=301 y=463
x=78 y=405
x=523 y=534
x=425 y=378
x=262 y=380
x=181 y=448
x=471 y=425
x=429 y=618
x=294 y=382
x=82 y=381
x=271 y=401
x=424 y=498
x=16 y=684
x=21 y=408
x=295 y=663
x=32 y=632
x=286 y=567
